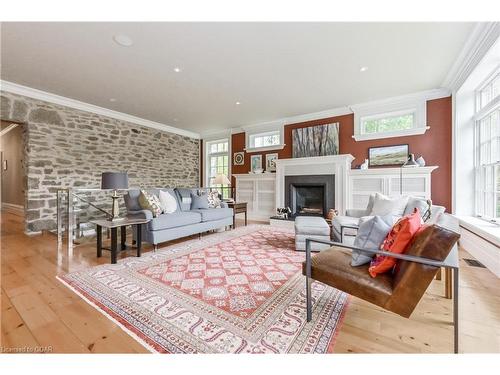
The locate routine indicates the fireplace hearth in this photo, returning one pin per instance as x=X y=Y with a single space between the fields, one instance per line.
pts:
x=311 y=195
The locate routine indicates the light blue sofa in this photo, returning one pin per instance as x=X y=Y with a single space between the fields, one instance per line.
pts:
x=183 y=222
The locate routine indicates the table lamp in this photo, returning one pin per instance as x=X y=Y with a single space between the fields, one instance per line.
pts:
x=221 y=179
x=114 y=181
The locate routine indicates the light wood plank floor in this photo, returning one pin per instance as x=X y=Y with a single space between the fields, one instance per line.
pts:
x=38 y=311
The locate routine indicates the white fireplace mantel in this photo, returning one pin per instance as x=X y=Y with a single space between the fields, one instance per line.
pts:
x=338 y=165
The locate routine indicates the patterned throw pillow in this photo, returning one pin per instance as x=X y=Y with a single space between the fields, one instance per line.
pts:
x=150 y=202
x=213 y=199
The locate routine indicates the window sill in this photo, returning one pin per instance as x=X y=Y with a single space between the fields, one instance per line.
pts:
x=485 y=229
x=267 y=148
x=400 y=133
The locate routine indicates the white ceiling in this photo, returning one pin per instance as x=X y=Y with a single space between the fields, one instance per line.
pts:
x=275 y=70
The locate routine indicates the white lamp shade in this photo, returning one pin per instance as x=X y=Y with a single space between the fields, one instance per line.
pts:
x=221 y=179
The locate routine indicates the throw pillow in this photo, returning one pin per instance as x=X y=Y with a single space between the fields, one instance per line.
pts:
x=213 y=199
x=422 y=204
x=371 y=233
x=383 y=206
x=396 y=242
x=168 y=202
x=199 y=202
x=150 y=202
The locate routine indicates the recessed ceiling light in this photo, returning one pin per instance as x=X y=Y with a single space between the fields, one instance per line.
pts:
x=177 y=70
x=363 y=69
x=112 y=100
x=238 y=103
x=123 y=40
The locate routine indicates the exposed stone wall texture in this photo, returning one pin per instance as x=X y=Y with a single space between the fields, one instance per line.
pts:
x=69 y=148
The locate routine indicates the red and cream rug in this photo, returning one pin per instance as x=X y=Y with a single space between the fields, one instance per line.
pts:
x=240 y=291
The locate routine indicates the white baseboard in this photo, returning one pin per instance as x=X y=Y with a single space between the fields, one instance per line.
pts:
x=13 y=208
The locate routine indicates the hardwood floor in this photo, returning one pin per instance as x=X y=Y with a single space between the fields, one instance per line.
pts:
x=39 y=312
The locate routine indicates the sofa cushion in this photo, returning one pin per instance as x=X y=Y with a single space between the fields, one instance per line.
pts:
x=184 y=196
x=177 y=219
x=168 y=202
x=396 y=242
x=213 y=199
x=339 y=221
x=199 y=201
x=132 y=200
x=212 y=214
x=422 y=204
x=151 y=202
x=371 y=233
x=384 y=205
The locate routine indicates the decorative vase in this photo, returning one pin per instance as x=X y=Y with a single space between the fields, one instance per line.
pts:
x=364 y=165
x=421 y=161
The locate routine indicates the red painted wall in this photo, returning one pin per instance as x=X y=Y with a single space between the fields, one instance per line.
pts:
x=434 y=145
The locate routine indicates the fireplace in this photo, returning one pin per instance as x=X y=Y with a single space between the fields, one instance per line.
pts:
x=311 y=195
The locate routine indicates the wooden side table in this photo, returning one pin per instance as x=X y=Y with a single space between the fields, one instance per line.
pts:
x=238 y=208
x=113 y=226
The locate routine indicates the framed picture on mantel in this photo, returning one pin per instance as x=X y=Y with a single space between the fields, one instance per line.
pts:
x=387 y=156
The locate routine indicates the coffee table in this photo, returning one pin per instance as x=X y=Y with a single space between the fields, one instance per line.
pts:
x=113 y=227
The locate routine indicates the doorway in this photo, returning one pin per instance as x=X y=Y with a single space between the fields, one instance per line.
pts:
x=13 y=175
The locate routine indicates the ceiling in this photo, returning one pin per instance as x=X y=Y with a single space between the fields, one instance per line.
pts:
x=275 y=70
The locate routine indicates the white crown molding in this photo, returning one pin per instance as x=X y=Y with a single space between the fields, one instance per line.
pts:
x=335 y=112
x=413 y=97
x=484 y=35
x=340 y=111
x=76 y=104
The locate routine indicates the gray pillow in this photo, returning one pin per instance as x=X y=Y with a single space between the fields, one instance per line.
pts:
x=199 y=202
x=414 y=202
x=371 y=233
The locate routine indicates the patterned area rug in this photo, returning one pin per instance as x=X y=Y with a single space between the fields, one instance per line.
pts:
x=240 y=291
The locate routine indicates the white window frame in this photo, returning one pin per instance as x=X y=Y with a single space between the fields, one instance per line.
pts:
x=208 y=155
x=481 y=169
x=416 y=105
x=254 y=131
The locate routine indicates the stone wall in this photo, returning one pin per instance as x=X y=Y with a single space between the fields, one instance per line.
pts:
x=65 y=147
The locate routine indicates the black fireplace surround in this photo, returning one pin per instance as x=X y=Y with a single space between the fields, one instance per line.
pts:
x=310 y=195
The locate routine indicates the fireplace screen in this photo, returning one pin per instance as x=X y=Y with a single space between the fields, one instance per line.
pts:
x=308 y=200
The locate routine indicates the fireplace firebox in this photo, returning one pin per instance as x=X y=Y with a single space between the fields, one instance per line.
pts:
x=311 y=195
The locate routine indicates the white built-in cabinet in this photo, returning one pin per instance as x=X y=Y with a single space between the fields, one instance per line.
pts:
x=389 y=181
x=259 y=191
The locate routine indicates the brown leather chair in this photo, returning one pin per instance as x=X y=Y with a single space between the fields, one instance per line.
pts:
x=399 y=291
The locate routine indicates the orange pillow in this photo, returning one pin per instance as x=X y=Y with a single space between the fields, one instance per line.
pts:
x=396 y=242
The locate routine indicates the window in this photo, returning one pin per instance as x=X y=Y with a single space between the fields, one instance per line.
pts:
x=489 y=91
x=487 y=150
x=218 y=162
x=267 y=139
x=394 y=117
x=387 y=123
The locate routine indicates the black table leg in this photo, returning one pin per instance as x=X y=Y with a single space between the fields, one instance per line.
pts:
x=114 y=244
x=234 y=219
x=245 y=217
x=123 y=237
x=99 y=240
x=139 y=238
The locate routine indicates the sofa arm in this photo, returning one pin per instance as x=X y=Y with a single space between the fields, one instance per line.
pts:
x=356 y=212
x=224 y=205
x=140 y=214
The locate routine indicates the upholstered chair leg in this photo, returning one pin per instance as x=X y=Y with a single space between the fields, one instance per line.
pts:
x=155 y=247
